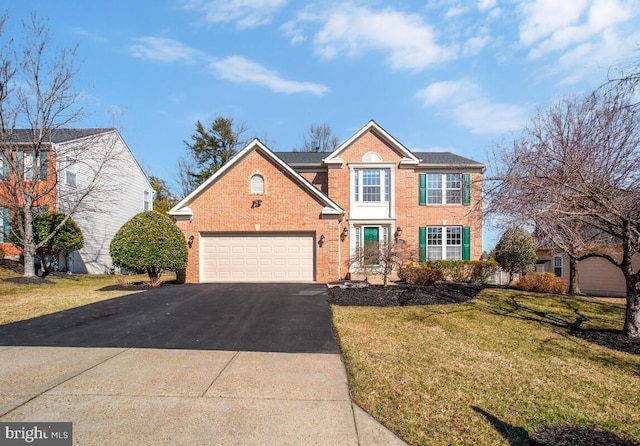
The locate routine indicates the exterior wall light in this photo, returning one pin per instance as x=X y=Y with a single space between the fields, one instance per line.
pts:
x=190 y=240
x=321 y=241
x=398 y=231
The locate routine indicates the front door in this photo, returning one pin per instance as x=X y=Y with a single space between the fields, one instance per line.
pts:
x=371 y=245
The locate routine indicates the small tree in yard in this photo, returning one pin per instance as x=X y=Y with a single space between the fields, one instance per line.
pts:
x=150 y=241
x=380 y=259
x=58 y=231
x=515 y=251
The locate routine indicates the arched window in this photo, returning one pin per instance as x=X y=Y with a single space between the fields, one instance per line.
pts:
x=371 y=157
x=257 y=184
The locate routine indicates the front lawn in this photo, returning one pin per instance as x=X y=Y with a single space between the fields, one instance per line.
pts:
x=490 y=370
x=21 y=301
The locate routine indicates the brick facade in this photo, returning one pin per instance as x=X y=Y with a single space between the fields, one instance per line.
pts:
x=224 y=205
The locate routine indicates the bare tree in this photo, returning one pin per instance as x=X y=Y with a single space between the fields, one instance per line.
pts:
x=575 y=174
x=319 y=138
x=36 y=95
x=381 y=259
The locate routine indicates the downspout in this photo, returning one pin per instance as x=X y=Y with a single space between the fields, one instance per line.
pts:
x=339 y=243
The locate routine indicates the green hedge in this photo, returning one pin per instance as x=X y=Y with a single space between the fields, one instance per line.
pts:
x=476 y=271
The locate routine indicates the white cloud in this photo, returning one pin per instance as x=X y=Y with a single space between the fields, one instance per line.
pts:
x=293 y=32
x=579 y=36
x=486 y=5
x=245 y=13
x=83 y=32
x=409 y=42
x=468 y=106
x=544 y=17
x=160 y=49
x=240 y=70
x=550 y=26
x=475 y=45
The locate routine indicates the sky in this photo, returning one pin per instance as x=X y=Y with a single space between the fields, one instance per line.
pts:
x=440 y=75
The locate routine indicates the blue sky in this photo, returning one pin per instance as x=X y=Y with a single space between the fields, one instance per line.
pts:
x=441 y=75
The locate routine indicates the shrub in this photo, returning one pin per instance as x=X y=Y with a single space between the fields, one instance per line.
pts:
x=541 y=283
x=2 y=253
x=482 y=269
x=421 y=275
x=150 y=241
x=515 y=251
x=454 y=270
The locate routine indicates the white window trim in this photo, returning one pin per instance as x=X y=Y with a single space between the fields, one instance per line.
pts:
x=251 y=187
x=444 y=242
x=558 y=256
x=376 y=166
x=146 y=200
x=71 y=167
x=27 y=165
x=443 y=188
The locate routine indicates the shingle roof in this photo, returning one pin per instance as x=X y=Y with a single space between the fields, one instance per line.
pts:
x=444 y=159
x=294 y=158
x=426 y=158
x=58 y=135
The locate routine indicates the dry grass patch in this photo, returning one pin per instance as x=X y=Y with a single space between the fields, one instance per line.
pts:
x=26 y=301
x=490 y=370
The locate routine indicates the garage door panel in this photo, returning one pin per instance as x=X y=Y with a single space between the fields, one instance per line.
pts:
x=259 y=258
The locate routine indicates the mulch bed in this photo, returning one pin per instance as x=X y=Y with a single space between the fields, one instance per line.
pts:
x=570 y=435
x=402 y=294
x=29 y=280
x=613 y=339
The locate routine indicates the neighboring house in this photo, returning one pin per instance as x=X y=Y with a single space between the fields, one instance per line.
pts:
x=95 y=163
x=596 y=275
x=270 y=216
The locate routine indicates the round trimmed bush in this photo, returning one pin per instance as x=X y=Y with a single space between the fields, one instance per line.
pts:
x=150 y=241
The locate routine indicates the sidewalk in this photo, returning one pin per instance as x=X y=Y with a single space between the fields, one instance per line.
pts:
x=119 y=396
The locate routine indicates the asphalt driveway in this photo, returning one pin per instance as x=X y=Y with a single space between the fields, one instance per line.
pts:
x=288 y=318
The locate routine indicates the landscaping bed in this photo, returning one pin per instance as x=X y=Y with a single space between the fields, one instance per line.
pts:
x=361 y=294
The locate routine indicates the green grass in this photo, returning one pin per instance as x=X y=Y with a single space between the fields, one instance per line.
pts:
x=26 y=301
x=490 y=370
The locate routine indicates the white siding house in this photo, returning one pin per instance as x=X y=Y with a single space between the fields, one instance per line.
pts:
x=103 y=186
x=102 y=165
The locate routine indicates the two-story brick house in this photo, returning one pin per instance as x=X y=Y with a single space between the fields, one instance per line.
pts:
x=90 y=173
x=295 y=216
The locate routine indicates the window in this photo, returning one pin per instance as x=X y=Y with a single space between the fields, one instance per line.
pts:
x=71 y=172
x=257 y=184
x=444 y=188
x=27 y=164
x=451 y=193
x=5 y=216
x=444 y=243
x=146 y=201
x=371 y=185
x=557 y=265
x=434 y=188
x=453 y=188
x=454 y=243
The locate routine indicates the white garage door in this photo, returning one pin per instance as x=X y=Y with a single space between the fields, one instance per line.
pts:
x=256 y=258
